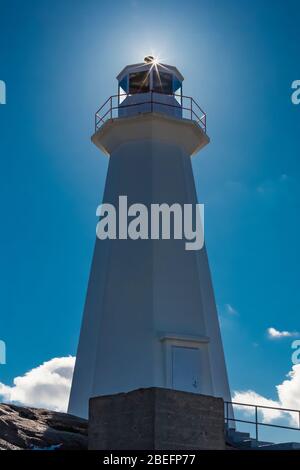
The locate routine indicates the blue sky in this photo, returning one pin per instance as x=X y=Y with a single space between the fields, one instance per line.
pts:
x=59 y=60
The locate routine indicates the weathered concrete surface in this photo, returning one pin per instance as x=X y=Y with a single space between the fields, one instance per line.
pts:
x=156 y=419
x=32 y=428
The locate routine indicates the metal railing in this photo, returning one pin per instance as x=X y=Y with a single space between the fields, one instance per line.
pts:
x=229 y=405
x=187 y=106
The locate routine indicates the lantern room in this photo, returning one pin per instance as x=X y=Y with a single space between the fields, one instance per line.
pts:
x=150 y=87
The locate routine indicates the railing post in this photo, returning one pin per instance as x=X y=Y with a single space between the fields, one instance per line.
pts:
x=111 y=107
x=256 y=424
x=191 y=108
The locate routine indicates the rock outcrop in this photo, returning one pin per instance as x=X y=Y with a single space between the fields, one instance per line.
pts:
x=39 y=429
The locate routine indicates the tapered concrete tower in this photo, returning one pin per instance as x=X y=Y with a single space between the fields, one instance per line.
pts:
x=150 y=318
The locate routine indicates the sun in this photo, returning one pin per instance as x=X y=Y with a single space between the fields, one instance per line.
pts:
x=156 y=63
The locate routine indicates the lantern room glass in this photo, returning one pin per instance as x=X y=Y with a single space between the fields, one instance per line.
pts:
x=139 y=82
x=148 y=80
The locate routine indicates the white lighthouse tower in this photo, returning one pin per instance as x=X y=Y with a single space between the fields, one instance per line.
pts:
x=150 y=317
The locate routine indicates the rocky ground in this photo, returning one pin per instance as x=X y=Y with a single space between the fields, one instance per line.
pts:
x=32 y=428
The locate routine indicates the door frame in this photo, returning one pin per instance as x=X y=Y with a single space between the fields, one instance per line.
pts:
x=185 y=341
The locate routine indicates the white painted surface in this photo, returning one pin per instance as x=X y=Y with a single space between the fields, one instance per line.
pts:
x=141 y=288
x=186 y=369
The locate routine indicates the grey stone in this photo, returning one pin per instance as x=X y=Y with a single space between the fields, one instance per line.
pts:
x=156 y=419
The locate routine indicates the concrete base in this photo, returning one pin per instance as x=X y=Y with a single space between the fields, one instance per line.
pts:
x=156 y=419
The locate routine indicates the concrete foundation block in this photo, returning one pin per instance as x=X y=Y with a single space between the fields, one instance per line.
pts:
x=156 y=419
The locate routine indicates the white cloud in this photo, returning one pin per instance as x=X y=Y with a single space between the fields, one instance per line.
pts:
x=288 y=397
x=46 y=386
x=250 y=397
x=276 y=334
x=231 y=310
x=289 y=390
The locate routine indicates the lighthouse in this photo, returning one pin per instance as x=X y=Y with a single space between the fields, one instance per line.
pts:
x=150 y=318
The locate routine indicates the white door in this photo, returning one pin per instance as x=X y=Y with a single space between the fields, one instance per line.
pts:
x=186 y=364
